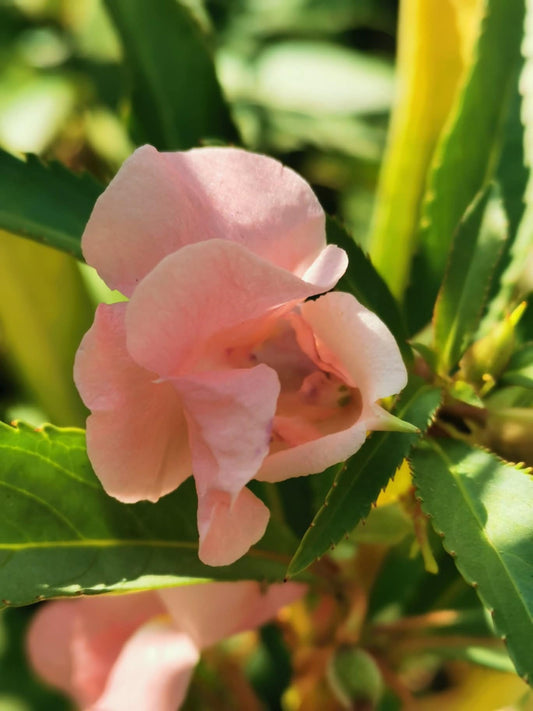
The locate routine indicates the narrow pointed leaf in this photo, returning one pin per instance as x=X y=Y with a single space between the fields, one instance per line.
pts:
x=48 y=204
x=177 y=100
x=477 y=247
x=466 y=156
x=483 y=508
x=362 y=477
x=513 y=172
x=61 y=534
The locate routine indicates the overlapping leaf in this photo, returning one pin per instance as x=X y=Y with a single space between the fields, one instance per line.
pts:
x=360 y=480
x=60 y=534
x=434 y=48
x=476 y=250
x=483 y=508
x=466 y=155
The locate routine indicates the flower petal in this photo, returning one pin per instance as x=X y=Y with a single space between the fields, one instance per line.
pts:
x=313 y=457
x=130 y=409
x=355 y=342
x=159 y=202
x=229 y=525
x=229 y=415
x=198 y=292
x=52 y=628
x=152 y=671
x=73 y=644
x=212 y=611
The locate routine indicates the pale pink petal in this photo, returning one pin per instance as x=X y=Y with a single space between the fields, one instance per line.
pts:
x=328 y=268
x=137 y=437
x=159 y=202
x=212 y=611
x=198 y=292
x=73 y=644
x=52 y=629
x=315 y=456
x=152 y=672
x=356 y=343
x=228 y=525
x=229 y=415
x=344 y=337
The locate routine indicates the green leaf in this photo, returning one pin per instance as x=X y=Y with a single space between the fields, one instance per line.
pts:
x=61 y=534
x=496 y=659
x=466 y=156
x=512 y=175
x=477 y=247
x=434 y=49
x=482 y=508
x=177 y=100
x=363 y=281
x=520 y=368
x=48 y=204
x=362 y=477
x=512 y=172
x=42 y=325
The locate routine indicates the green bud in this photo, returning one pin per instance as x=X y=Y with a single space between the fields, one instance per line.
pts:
x=486 y=359
x=355 y=678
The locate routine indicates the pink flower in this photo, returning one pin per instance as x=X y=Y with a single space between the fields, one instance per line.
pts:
x=218 y=365
x=138 y=651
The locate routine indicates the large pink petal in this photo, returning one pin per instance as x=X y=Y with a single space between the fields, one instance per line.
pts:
x=229 y=414
x=152 y=672
x=355 y=342
x=212 y=611
x=137 y=436
x=159 y=202
x=73 y=644
x=198 y=292
x=228 y=525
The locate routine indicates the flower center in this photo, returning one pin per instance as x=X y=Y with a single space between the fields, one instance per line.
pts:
x=313 y=402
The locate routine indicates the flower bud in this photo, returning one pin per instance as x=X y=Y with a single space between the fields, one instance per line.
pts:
x=355 y=678
x=486 y=359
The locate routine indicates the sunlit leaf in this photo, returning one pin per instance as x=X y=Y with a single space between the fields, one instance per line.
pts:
x=61 y=534
x=467 y=153
x=434 y=48
x=483 y=508
x=476 y=250
x=44 y=312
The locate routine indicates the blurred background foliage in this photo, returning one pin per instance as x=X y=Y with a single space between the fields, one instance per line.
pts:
x=312 y=83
